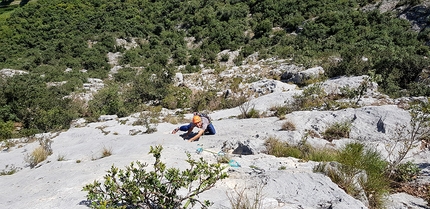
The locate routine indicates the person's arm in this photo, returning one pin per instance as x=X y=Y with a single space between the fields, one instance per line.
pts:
x=200 y=133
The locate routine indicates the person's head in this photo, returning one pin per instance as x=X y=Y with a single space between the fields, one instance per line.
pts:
x=197 y=120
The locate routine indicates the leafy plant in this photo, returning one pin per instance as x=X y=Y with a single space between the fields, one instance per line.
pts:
x=107 y=101
x=158 y=188
x=253 y=113
x=406 y=172
x=6 y=130
x=149 y=119
x=356 y=93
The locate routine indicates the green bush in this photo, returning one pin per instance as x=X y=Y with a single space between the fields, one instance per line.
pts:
x=253 y=113
x=107 y=102
x=281 y=110
x=312 y=97
x=125 y=75
x=135 y=187
x=356 y=156
x=337 y=130
x=177 y=97
x=406 y=172
x=281 y=149
x=6 y=130
x=204 y=101
x=302 y=150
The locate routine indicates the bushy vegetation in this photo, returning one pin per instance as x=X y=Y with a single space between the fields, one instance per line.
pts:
x=302 y=150
x=161 y=187
x=352 y=159
x=46 y=37
x=337 y=130
x=355 y=157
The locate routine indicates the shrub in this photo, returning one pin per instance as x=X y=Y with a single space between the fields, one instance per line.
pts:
x=281 y=111
x=253 y=113
x=61 y=158
x=9 y=170
x=301 y=150
x=337 y=130
x=406 y=172
x=248 y=111
x=204 y=101
x=283 y=167
x=37 y=156
x=106 y=152
x=223 y=158
x=311 y=97
x=236 y=83
x=288 y=126
x=171 y=119
x=149 y=119
x=134 y=187
x=6 y=130
x=107 y=101
x=177 y=97
x=356 y=156
x=231 y=102
x=225 y=57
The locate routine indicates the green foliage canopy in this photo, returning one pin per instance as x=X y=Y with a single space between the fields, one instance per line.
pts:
x=45 y=37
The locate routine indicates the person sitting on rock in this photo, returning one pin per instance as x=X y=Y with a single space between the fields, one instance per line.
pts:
x=203 y=123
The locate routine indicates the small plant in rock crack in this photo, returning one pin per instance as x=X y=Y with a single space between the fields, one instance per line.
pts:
x=9 y=170
x=337 y=130
x=149 y=120
x=281 y=110
x=135 y=187
x=288 y=126
x=240 y=198
x=106 y=152
x=61 y=158
x=406 y=172
x=40 y=153
x=248 y=110
x=37 y=156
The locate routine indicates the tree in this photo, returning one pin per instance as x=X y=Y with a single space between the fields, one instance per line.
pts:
x=134 y=187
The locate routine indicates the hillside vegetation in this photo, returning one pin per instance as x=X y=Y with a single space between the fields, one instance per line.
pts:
x=46 y=37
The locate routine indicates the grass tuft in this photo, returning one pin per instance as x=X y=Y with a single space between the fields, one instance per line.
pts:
x=337 y=130
x=37 y=156
x=288 y=126
x=106 y=152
